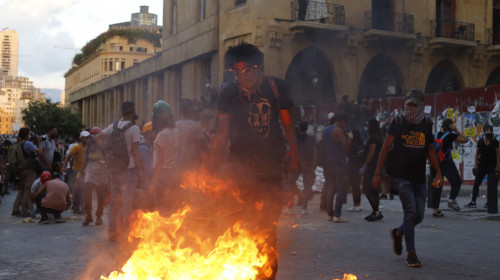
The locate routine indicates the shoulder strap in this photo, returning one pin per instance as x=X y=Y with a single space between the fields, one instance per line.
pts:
x=444 y=134
x=274 y=88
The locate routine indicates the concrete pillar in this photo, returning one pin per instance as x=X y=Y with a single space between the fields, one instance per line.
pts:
x=84 y=111
x=149 y=100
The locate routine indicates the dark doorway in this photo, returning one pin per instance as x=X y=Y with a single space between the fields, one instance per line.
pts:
x=383 y=14
x=443 y=77
x=494 y=78
x=310 y=78
x=445 y=18
x=495 y=34
x=380 y=78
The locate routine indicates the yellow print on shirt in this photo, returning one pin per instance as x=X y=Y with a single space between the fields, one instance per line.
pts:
x=413 y=140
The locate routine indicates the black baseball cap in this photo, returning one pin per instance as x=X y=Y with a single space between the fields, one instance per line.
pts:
x=414 y=95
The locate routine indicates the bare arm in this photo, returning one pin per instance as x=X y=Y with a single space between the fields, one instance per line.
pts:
x=338 y=135
x=461 y=139
x=389 y=139
x=220 y=141
x=68 y=157
x=40 y=154
x=435 y=164
x=39 y=192
x=291 y=137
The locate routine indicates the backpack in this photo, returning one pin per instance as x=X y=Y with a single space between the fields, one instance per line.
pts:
x=438 y=146
x=17 y=157
x=116 y=151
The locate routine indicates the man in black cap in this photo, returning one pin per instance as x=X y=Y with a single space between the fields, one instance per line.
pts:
x=410 y=137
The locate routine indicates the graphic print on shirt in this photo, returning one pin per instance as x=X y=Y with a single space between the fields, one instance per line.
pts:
x=259 y=116
x=414 y=139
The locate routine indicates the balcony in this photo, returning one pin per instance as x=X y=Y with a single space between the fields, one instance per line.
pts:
x=319 y=16
x=389 y=25
x=452 y=34
x=493 y=41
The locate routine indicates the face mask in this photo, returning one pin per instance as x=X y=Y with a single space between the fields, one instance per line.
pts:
x=489 y=135
x=414 y=114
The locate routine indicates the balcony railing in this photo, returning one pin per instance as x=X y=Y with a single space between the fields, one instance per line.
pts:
x=395 y=22
x=318 y=11
x=452 y=29
x=494 y=36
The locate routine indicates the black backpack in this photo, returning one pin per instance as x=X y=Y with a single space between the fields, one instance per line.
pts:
x=116 y=151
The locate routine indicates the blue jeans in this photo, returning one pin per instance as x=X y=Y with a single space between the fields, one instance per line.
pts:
x=337 y=185
x=412 y=196
x=123 y=187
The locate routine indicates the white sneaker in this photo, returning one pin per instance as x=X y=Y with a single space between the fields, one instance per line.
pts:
x=339 y=220
x=330 y=218
x=303 y=212
x=354 y=209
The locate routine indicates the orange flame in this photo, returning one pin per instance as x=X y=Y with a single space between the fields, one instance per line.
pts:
x=180 y=246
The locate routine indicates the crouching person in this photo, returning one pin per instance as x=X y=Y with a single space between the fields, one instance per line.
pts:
x=56 y=199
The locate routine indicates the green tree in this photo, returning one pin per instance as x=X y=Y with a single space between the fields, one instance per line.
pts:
x=42 y=114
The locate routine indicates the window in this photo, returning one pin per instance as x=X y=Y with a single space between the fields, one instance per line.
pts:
x=117 y=65
x=121 y=48
x=142 y=49
x=239 y=2
x=131 y=49
x=110 y=65
x=123 y=64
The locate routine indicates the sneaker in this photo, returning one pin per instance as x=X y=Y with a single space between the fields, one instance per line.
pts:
x=44 y=221
x=354 y=209
x=471 y=204
x=412 y=260
x=438 y=214
x=374 y=217
x=16 y=213
x=98 y=221
x=330 y=218
x=339 y=220
x=303 y=212
x=397 y=242
x=383 y=197
x=453 y=205
x=86 y=223
x=60 y=220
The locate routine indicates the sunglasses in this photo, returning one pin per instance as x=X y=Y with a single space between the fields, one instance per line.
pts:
x=243 y=70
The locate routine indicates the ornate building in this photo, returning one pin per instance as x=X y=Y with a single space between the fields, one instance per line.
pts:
x=324 y=49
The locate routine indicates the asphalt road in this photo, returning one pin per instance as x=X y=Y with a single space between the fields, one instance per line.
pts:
x=461 y=245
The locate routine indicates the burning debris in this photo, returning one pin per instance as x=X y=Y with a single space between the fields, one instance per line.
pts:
x=205 y=239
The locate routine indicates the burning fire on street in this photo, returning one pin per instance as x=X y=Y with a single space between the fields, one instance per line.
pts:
x=181 y=246
x=208 y=238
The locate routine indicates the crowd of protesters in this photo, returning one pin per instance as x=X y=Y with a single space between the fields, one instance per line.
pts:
x=52 y=176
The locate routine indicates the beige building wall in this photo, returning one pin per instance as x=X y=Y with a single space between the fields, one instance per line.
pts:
x=348 y=51
x=9 y=52
x=115 y=55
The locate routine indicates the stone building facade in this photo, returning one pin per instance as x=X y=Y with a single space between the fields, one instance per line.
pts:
x=324 y=49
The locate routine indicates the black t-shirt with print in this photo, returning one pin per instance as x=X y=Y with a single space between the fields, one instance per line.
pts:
x=255 y=133
x=447 y=142
x=411 y=145
x=487 y=153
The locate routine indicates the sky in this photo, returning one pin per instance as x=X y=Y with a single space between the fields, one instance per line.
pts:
x=51 y=32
